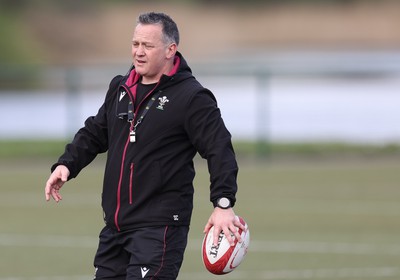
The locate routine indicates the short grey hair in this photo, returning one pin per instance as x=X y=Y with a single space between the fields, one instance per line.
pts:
x=169 y=27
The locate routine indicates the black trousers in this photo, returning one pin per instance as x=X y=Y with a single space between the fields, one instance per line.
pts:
x=145 y=253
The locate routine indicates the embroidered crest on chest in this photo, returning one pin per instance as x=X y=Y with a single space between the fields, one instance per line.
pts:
x=162 y=101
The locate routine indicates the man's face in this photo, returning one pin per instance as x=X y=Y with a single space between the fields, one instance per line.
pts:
x=149 y=51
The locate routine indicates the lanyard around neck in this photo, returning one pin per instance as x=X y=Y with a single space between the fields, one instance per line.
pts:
x=131 y=115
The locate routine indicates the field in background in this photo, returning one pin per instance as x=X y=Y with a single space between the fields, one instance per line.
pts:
x=311 y=216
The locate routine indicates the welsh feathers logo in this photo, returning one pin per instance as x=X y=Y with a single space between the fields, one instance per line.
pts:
x=162 y=101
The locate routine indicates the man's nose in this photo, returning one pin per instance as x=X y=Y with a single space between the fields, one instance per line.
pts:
x=140 y=51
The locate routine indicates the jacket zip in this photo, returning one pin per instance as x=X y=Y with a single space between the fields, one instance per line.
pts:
x=131 y=183
x=121 y=173
x=124 y=155
x=119 y=186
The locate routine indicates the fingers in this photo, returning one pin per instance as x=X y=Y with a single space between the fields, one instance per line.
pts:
x=231 y=234
x=53 y=190
x=64 y=177
x=229 y=230
x=216 y=234
x=55 y=182
x=241 y=226
x=225 y=221
x=236 y=235
x=48 y=188
x=55 y=194
x=207 y=227
x=47 y=193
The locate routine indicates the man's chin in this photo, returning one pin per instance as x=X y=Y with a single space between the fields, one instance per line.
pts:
x=140 y=71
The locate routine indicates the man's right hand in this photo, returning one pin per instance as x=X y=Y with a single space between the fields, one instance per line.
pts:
x=55 y=182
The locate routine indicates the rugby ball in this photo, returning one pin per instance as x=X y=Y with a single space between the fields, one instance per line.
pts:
x=224 y=258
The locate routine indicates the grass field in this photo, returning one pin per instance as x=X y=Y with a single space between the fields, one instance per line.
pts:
x=309 y=217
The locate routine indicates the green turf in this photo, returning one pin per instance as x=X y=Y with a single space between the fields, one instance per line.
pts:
x=11 y=149
x=309 y=219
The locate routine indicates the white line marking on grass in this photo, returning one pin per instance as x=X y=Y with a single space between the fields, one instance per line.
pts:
x=324 y=248
x=256 y=246
x=323 y=273
x=331 y=273
x=15 y=200
x=304 y=247
x=25 y=240
x=67 y=277
x=360 y=272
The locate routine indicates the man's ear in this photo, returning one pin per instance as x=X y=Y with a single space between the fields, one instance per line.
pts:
x=171 y=51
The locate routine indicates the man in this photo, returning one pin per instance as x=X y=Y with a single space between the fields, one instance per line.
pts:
x=152 y=123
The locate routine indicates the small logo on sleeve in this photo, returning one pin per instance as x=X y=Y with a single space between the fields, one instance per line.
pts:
x=121 y=95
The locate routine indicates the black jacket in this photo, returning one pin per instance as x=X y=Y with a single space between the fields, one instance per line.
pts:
x=150 y=182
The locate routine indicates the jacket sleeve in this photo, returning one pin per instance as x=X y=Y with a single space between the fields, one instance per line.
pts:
x=212 y=140
x=90 y=140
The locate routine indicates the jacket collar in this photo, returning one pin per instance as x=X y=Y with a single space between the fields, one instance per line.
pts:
x=180 y=66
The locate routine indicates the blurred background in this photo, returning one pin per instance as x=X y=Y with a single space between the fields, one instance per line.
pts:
x=310 y=90
x=282 y=70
